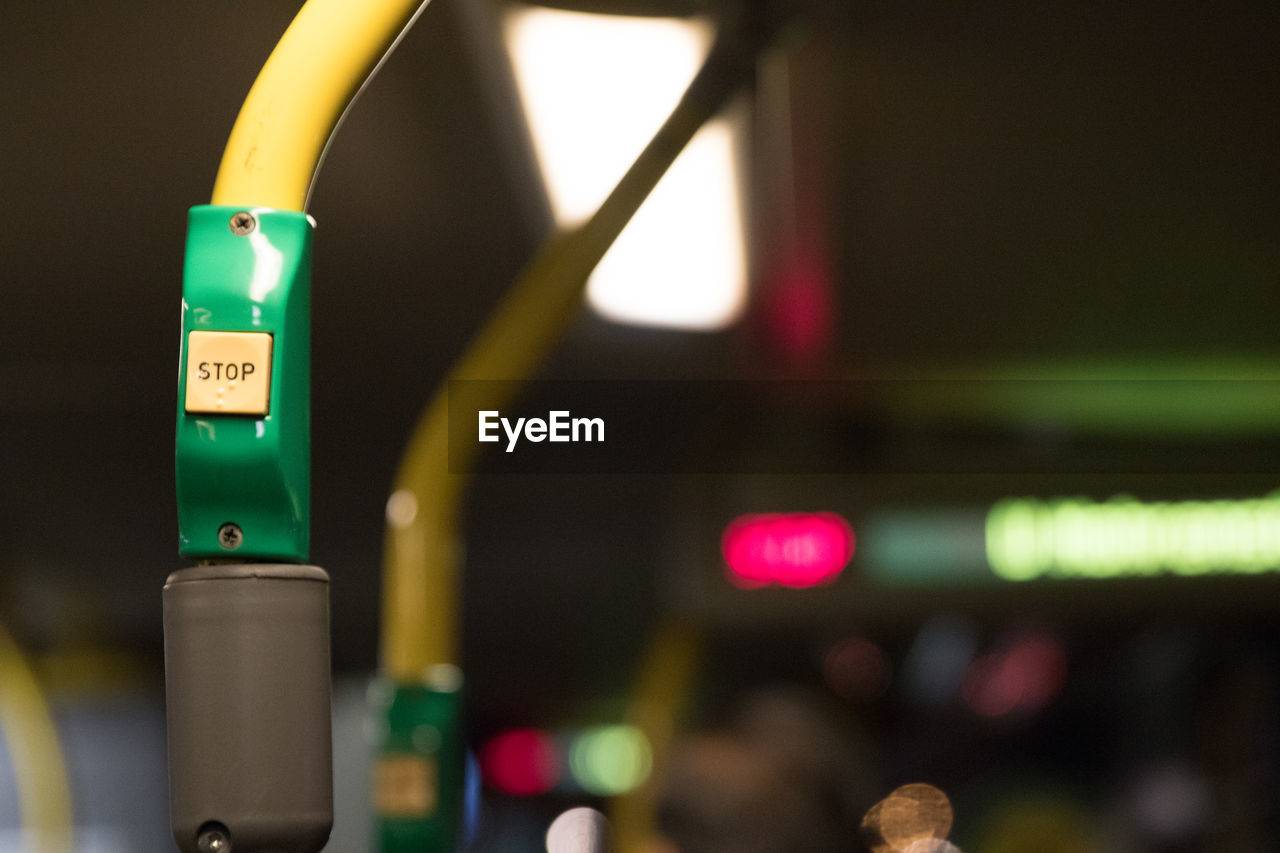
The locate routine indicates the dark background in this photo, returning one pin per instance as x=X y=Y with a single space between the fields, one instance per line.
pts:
x=1067 y=189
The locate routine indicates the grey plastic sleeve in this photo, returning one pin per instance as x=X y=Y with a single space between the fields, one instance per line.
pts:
x=247 y=692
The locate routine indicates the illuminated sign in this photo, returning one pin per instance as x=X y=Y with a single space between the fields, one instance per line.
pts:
x=795 y=550
x=1123 y=537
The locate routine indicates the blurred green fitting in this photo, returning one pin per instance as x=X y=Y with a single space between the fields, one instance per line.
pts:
x=420 y=763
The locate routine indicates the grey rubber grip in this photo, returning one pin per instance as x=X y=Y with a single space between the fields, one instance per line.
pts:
x=247 y=694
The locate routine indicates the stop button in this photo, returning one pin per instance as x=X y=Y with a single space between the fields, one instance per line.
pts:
x=228 y=373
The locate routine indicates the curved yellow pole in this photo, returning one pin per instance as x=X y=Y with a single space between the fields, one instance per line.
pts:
x=420 y=566
x=326 y=56
x=44 y=794
x=657 y=699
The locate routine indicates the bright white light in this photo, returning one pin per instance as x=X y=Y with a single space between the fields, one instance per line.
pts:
x=931 y=845
x=680 y=262
x=596 y=88
x=580 y=830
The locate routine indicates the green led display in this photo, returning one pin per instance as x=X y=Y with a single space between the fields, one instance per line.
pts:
x=1123 y=537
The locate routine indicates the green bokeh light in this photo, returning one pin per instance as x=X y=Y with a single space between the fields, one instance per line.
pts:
x=1122 y=537
x=610 y=760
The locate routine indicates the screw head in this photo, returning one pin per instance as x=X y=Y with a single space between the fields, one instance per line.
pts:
x=230 y=536
x=214 y=840
x=243 y=223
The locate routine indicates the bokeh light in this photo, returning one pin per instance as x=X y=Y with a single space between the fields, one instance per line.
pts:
x=610 y=760
x=936 y=664
x=799 y=311
x=1043 y=823
x=856 y=669
x=579 y=830
x=793 y=549
x=1076 y=537
x=1022 y=679
x=931 y=845
x=521 y=762
x=1171 y=802
x=915 y=818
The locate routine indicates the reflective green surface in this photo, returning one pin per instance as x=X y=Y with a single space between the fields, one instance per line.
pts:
x=248 y=470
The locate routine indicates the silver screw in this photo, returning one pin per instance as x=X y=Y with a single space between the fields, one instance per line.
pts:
x=243 y=223
x=214 y=840
x=230 y=536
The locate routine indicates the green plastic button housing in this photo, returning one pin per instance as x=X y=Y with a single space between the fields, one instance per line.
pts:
x=421 y=725
x=252 y=471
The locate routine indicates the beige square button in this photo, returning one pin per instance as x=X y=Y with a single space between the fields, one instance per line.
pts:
x=228 y=373
x=406 y=786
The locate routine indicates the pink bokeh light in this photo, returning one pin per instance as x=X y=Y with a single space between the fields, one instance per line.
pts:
x=795 y=550
x=521 y=762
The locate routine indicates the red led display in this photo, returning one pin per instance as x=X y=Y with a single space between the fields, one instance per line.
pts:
x=794 y=550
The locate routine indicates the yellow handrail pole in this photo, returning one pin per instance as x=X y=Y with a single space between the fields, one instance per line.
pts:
x=39 y=769
x=654 y=706
x=420 y=584
x=328 y=53
x=305 y=88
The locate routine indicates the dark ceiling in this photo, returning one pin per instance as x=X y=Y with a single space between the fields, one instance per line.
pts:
x=1004 y=183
